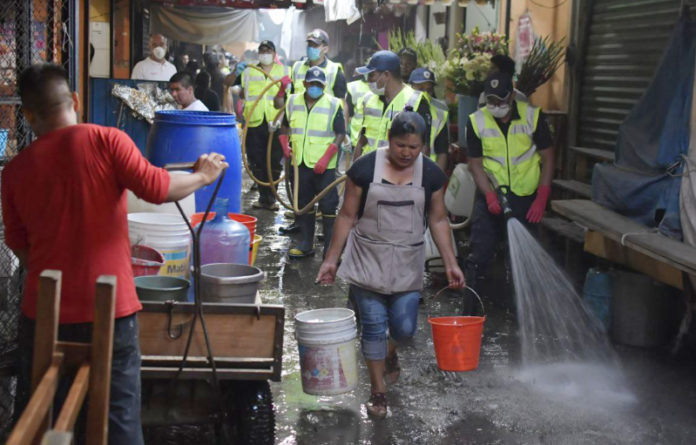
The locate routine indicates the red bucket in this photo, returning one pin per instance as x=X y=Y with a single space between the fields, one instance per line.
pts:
x=146 y=260
x=457 y=342
x=248 y=220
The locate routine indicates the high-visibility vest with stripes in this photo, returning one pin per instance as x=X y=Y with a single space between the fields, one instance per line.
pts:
x=514 y=162
x=377 y=117
x=311 y=132
x=299 y=71
x=357 y=89
x=254 y=83
x=440 y=117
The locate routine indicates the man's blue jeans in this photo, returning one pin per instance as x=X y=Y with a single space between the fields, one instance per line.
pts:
x=378 y=312
x=124 y=407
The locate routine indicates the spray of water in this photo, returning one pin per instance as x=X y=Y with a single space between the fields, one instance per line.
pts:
x=564 y=348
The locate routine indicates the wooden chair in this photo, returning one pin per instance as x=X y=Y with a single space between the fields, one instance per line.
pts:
x=89 y=363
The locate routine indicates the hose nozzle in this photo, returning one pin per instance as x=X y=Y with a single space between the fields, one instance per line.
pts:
x=504 y=202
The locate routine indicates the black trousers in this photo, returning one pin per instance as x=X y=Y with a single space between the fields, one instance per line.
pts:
x=310 y=185
x=487 y=230
x=257 y=154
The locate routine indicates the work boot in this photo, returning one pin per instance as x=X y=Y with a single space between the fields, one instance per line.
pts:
x=305 y=247
x=290 y=229
x=327 y=225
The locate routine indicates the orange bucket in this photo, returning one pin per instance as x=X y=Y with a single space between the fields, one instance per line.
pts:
x=248 y=220
x=457 y=342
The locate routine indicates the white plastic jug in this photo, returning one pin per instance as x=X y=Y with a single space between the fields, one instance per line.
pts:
x=460 y=193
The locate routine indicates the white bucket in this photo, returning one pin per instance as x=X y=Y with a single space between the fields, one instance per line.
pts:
x=460 y=193
x=328 y=360
x=167 y=233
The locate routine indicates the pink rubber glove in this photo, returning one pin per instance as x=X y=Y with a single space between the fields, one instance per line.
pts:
x=320 y=166
x=285 y=143
x=284 y=82
x=240 y=108
x=536 y=211
x=493 y=204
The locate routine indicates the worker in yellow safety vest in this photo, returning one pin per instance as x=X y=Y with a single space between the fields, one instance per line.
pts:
x=253 y=83
x=313 y=128
x=509 y=148
x=388 y=96
x=356 y=90
x=423 y=80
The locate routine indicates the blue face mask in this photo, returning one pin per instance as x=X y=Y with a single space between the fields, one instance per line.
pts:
x=315 y=92
x=313 y=54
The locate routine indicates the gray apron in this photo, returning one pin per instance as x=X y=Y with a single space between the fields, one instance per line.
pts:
x=385 y=251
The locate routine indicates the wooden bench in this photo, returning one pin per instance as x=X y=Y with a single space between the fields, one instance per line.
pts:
x=90 y=363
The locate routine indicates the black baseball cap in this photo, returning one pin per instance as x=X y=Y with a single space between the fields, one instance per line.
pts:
x=268 y=44
x=381 y=61
x=316 y=74
x=498 y=85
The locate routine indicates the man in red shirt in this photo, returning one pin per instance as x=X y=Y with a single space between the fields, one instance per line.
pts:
x=64 y=208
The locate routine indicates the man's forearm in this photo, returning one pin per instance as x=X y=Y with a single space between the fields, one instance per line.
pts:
x=547 y=166
x=479 y=174
x=180 y=186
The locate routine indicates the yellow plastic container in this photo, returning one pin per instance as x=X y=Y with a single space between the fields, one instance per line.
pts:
x=254 y=249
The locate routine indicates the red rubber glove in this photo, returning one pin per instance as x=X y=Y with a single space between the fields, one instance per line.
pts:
x=284 y=82
x=240 y=108
x=285 y=143
x=320 y=166
x=536 y=211
x=493 y=204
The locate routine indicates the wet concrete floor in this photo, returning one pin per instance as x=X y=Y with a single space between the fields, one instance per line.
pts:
x=486 y=406
x=489 y=405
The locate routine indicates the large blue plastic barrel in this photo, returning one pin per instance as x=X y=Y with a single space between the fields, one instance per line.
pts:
x=182 y=136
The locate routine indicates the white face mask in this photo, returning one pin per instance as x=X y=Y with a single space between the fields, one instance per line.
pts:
x=499 y=111
x=159 y=52
x=265 y=59
x=375 y=89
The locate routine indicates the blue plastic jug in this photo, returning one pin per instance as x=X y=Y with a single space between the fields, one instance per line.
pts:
x=224 y=240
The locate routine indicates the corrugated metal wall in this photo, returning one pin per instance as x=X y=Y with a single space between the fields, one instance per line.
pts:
x=624 y=47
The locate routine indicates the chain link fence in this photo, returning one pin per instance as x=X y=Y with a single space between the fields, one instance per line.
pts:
x=31 y=31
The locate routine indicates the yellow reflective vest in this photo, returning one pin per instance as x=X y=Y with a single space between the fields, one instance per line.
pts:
x=311 y=132
x=514 y=162
x=254 y=83
x=299 y=71
x=439 y=113
x=377 y=117
x=357 y=89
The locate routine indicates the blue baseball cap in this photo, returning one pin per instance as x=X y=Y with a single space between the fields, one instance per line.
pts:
x=316 y=74
x=421 y=75
x=381 y=61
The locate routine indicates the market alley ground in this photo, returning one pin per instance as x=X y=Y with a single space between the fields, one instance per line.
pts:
x=485 y=406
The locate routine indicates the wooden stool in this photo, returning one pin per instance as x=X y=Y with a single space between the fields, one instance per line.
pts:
x=89 y=363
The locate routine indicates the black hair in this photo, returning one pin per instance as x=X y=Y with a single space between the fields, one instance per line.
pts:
x=184 y=78
x=410 y=52
x=210 y=59
x=203 y=80
x=44 y=86
x=504 y=63
x=408 y=122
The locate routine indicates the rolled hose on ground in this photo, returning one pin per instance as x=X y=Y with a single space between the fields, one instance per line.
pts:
x=294 y=205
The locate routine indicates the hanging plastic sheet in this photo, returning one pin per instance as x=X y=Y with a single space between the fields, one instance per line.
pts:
x=645 y=179
x=205 y=26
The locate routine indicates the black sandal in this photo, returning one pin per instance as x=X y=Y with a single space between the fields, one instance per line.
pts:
x=377 y=405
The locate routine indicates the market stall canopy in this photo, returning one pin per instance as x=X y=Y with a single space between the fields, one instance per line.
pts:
x=239 y=4
x=208 y=26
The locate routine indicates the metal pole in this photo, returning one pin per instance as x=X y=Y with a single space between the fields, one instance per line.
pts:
x=507 y=19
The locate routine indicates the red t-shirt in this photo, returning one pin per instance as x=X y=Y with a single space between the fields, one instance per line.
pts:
x=64 y=202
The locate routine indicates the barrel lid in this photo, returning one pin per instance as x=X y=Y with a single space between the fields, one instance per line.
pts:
x=159 y=219
x=205 y=118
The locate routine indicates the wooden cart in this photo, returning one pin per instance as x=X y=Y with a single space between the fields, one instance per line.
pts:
x=247 y=343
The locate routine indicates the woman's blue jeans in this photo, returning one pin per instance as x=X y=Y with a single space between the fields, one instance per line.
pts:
x=397 y=313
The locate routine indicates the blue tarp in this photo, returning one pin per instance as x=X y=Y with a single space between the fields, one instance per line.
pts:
x=644 y=181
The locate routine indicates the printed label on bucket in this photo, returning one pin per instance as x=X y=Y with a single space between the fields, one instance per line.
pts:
x=330 y=369
x=176 y=263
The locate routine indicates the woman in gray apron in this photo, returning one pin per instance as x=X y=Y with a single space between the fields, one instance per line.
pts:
x=389 y=196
